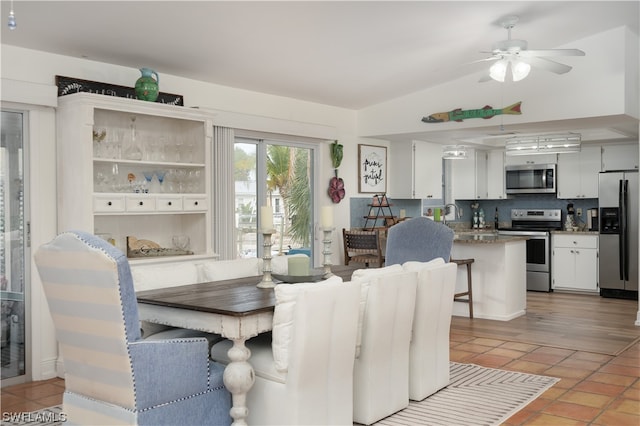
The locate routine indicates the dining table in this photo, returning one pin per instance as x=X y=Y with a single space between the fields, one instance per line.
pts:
x=235 y=308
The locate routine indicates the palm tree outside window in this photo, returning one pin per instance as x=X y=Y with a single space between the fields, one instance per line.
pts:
x=278 y=174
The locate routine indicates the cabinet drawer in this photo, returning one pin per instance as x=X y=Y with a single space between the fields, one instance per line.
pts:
x=168 y=203
x=582 y=241
x=195 y=203
x=141 y=204
x=103 y=204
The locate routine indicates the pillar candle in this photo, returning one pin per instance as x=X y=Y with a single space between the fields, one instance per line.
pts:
x=326 y=217
x=298 y=265
x=266 y=218
x=403 y=213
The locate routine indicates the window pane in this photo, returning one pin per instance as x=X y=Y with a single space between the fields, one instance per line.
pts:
x=285 y=173
x=288 y=189
x=246 y=198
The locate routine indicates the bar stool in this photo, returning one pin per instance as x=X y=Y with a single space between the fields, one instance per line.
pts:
x=469 y=292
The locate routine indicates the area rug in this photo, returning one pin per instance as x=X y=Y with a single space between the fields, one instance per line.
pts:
x=476 y=396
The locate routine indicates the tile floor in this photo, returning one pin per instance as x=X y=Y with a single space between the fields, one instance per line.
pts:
x=594 y=389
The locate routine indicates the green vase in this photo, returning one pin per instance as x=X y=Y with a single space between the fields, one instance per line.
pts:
x=147 y=86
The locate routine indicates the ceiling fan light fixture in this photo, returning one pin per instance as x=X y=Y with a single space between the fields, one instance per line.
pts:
x=520 y=69
x=498 y=70
x=454 y=152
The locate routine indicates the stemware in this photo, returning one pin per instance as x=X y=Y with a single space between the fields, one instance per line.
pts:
x=99 y=136
x=148 y=177
x=160 y=174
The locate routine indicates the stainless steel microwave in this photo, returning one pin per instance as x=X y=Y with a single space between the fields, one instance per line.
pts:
x=530 y=179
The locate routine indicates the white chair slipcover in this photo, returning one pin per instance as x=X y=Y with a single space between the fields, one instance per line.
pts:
x=429 y=350
x=304 y=368
x=381 y=371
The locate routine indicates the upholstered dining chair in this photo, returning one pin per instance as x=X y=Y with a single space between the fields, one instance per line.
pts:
x=362 y=247
x=112 y=376
x=381 y=369
x=418 y=239
x=429 y=350
x=304 y=368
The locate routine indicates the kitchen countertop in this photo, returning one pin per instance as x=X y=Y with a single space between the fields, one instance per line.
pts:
x=486 y=238
x=575 y=232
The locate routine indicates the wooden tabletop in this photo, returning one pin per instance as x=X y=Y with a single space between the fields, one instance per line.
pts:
x=236 y=297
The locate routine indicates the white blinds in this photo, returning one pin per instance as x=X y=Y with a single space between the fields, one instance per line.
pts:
x=224 y=229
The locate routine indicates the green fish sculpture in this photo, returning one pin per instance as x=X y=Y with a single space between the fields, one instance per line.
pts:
x=461 y=115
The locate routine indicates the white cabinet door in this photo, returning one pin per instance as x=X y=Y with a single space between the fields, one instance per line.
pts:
x=495 y=175
x=564 y=267
x=586 y=269
x=415 y=170
x=427 y=170
x=620 y=157
x=469 y=176
x=574 y=262
x=578 y=173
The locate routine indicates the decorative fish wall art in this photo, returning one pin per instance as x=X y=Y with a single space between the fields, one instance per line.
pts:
x=460 y=114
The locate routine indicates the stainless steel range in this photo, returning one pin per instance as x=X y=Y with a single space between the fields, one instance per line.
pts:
x=536 y=224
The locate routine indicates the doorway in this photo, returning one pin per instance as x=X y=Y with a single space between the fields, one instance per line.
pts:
x=14 y=248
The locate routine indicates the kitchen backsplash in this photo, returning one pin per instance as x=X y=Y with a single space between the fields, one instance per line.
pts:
x=359 y=207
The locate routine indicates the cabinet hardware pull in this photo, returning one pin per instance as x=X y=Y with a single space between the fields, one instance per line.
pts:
x=196 y=203
x=109 y=203
x=169 y=203
x=141 y=203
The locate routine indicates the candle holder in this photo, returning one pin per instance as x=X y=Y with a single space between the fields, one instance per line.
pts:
x=327 y=251
x=267 y=281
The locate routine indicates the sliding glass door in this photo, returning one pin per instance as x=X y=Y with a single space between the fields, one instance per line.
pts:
x=280 y=175
x=13 y=247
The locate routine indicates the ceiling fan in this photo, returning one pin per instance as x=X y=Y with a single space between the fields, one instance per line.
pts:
x=514 y=54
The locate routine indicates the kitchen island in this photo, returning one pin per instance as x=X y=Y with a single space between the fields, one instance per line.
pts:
x=499 y=275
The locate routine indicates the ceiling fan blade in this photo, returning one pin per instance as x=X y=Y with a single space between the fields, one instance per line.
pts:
x=491 y=58
x=552 y=52
x=549 y=65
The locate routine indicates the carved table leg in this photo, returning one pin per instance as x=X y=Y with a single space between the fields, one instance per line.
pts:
x=239 y=378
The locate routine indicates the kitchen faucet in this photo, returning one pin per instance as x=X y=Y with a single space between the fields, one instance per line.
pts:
x=456 y=212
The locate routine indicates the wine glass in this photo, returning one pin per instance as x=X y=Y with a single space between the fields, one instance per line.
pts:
x=160 y=174
x=148 y=177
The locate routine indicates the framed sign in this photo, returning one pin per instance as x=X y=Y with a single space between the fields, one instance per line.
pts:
x=372 y=169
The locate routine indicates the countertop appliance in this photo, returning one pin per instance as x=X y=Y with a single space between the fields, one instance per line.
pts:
x=592 y=220
x=618 y=238
x=536 y=224
x=530 y=179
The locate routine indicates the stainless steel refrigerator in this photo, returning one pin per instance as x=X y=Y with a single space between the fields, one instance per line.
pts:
x=618 y=249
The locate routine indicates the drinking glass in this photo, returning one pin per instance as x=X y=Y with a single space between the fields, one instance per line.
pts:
x=160 y=174
x=181 y=242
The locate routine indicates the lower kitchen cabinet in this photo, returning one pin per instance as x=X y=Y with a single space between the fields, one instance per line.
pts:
x=574 y=262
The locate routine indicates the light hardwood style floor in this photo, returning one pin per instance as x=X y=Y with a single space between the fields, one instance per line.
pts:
x=587 y=341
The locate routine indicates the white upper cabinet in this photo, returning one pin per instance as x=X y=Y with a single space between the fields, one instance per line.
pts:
x=531 y=159
x=620 y=157
x=495 y=175
x=469 y=176
x=415 y=170
x=578 y=173
x=139 y=169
